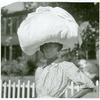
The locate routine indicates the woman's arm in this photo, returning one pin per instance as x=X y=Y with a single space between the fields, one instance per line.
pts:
x=77 y=76
x=82 y=92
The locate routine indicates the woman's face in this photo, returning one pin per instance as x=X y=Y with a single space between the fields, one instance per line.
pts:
x=50 y=51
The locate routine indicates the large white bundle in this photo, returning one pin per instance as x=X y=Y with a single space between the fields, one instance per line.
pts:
x=45 y=25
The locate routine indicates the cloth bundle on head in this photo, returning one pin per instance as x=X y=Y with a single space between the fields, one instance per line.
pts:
x=46 y=25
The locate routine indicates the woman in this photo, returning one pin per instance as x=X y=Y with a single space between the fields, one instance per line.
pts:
x=52 y=78
x=51 y=30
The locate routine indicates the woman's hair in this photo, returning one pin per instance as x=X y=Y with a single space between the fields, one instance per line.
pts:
x=51 y=44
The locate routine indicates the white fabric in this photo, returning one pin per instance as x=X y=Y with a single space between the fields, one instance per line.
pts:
x=45 y=25
x=52 y=80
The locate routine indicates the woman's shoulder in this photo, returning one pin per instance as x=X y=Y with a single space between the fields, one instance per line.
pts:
x=68 y=65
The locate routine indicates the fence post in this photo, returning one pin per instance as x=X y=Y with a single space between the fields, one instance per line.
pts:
x=5 y=90
x=66 y=93
x=78 y=88
x=13 y=89
x=18 y=89
x=9 y=88
x=97 y=83
x=33 y=90
x=23 y=90
x=72 y=88
x=28 y=89
x=1 y=89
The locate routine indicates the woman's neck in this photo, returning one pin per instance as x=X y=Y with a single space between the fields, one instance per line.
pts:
x=51 y=60
x=55 y=60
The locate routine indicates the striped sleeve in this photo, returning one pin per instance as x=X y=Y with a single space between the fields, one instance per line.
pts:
x=72 y=72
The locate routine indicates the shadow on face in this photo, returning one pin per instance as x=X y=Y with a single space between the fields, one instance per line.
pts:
x=50 y=50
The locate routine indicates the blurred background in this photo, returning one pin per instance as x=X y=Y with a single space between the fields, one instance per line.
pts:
x=16 y=65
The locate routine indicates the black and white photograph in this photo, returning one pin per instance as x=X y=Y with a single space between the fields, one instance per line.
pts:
x=50 y=50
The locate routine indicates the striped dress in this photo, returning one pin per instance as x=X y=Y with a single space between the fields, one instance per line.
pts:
x=53 y=80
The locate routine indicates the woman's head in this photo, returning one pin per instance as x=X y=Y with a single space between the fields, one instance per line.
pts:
x=50 y=50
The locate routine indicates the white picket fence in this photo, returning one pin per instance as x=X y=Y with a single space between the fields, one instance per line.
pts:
x=73 y=88
x=18 y=90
